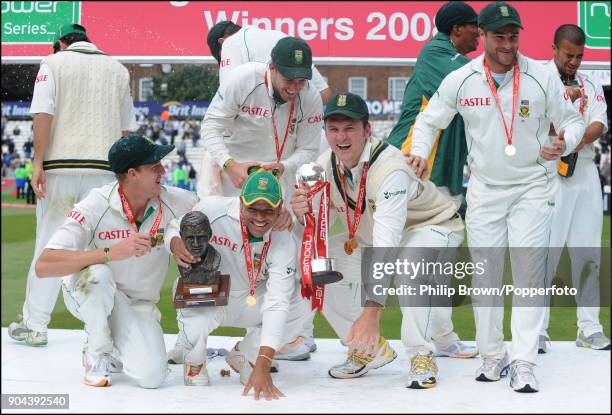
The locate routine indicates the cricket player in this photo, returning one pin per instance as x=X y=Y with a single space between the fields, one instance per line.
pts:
x=578 y=214
x=81 y=106
x=232 y=45
x=110 y=254
x=385 y=205
x=261 y=264
x=457 y=25
x=273 y=117
x=505 y=98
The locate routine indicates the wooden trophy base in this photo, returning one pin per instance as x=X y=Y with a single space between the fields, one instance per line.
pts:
x=217 y=297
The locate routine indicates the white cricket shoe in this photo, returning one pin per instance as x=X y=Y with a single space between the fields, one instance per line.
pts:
x=522 y=378
x=295 y=351
x=423 y=371
x=357 y=364
x=310 y=342
x=457 y=350
x=176 y=356
x=195 y=375
x=492 y=369
x=18 y=331
x=97 y=369
x=240 y=364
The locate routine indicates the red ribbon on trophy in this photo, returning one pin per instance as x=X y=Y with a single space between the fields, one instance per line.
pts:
x=316 y=241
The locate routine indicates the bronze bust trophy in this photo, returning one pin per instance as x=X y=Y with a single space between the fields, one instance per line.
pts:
x=202 y=284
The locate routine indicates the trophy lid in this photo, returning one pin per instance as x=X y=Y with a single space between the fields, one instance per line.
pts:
x=310 y=174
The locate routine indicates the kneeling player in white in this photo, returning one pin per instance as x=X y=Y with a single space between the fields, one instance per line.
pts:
x=261 y=264
x=370 y=178
x=111 y=246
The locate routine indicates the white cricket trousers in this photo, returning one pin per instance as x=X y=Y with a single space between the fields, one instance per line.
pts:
x=63 y=191
x=113 y=319
x=518 y=216
x=578 y=222
x=342 y=301
x=197 y=323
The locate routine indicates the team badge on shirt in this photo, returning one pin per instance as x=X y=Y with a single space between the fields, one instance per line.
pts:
x=158 y=239
x=524 y=108
x=372 y=205
x=292 y=126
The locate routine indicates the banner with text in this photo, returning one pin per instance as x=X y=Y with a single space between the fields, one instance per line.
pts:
x=366 y=32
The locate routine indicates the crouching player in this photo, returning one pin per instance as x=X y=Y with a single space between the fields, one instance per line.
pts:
x=262 y=265
x=110 y=251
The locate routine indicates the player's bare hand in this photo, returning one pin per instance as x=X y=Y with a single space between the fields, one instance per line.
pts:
x=138 y=244
x=554 y=150
x=364 y=335
x=284 y=221
x=418 y=165
x=275 y=166
x=261 y=383
x=238 y=172
x=299 y=202
x=39 y=181
x=182 y=256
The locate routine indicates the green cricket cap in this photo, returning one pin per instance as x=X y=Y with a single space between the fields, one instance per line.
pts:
x=497 y=15
x=68 y=29
x=134 y=151
x=261 y=185
x=348 y=104
x=293 y=58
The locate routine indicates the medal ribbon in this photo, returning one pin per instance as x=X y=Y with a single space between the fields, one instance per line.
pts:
x=130 y=215
x=515 y=88
x=352 y=227
x=249 y=260
x=582 y=98
x=279 y=151
x=309 y=235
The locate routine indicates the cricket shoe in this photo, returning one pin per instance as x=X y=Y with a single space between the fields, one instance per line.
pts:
x=358 y=364
x=18 y=331
x=176 y=356
x=97 y=369
x=195 y=375
x=115 y=365
x=457 y=350
x=310 y=342
x=596 y=341
x=238 y=361
x=423 y=371
x=542 y=346
x=295 y=351
x=522 y=378
x=492 y=369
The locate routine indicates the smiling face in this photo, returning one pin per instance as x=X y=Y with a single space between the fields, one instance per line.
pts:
x=347 y=138
x=501 y=47
x=149 y=178
x=259 y=217
x=286 y=89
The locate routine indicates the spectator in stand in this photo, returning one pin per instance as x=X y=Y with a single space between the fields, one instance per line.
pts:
x=20 y=180
x=16 y=131
x=604 y=170
x=27 y=148
x=30 y=196
x=179 y=177
x=192 y=175
x=195 y=136
x=11 y=144
x=175 y=130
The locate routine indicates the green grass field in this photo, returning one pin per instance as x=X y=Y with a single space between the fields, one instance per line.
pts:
x=18 y=236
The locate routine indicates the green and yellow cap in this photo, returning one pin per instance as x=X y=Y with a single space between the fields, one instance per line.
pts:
x=261 y=185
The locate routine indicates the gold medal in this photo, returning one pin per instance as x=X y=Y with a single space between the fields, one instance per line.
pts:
x=251 y=300
x=350 y=245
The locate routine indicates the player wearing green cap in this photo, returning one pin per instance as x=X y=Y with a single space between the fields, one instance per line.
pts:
x=110 y=251
x=383 y=205
x=261 y=263
x=81 y=105
x=507 y=102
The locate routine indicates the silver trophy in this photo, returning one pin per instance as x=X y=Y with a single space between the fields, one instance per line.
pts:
x=323 y=269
